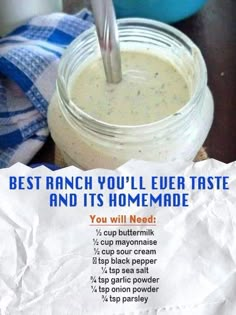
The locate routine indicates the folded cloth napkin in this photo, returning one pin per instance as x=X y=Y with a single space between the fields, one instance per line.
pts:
x=29 y=59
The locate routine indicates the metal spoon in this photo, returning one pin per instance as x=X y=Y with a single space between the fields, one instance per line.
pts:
x=107 y=31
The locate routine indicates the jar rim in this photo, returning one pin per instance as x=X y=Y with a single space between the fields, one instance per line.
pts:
x=152 y=25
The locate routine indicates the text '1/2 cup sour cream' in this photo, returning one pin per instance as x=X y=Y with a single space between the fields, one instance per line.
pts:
x=162 y=109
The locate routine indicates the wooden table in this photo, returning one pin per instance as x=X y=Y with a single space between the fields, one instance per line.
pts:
x=213 y=29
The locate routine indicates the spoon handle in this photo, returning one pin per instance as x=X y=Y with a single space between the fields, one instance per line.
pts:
x=105 y=20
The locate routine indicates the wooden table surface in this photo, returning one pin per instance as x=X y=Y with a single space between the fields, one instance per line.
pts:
x=213 y=29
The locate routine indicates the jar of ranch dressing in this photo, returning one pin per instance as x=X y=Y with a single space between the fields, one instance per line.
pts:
x=162 y=109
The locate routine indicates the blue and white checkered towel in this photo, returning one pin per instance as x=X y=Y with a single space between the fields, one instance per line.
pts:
x=29 y=59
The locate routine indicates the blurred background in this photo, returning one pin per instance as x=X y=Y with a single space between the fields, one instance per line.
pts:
x=209 y=23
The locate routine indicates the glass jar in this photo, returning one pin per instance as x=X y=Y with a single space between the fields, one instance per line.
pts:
x=89 y=143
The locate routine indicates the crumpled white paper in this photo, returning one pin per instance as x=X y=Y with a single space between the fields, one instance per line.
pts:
x=45 y=253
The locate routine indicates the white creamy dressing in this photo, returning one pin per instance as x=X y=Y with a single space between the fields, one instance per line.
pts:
x=151 y=89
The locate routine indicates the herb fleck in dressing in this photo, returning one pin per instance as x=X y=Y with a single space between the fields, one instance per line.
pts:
x=151 y=89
